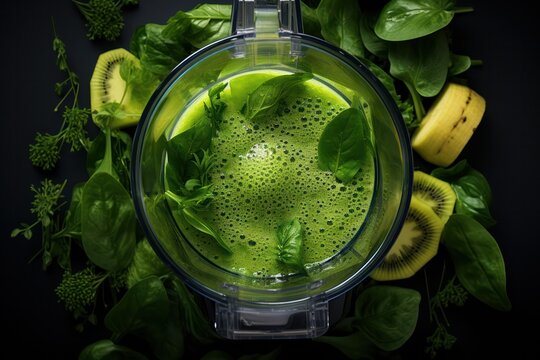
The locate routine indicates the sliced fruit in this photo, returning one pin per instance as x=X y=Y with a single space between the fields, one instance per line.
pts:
x=435 y=193
x=417 y=243
x=449 y=124
x=106 y=85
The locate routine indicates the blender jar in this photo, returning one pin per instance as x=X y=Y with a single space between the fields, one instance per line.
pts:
x=267 y=37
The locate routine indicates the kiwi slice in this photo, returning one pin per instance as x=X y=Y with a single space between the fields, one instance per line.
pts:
x=416 y=244
x=436 y=193
x=106 y=85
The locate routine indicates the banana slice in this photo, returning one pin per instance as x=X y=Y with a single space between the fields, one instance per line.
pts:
x=449 y=124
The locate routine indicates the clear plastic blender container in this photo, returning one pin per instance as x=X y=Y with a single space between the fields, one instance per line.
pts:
x=267 y=37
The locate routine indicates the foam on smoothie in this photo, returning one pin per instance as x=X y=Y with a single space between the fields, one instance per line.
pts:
x=267 y=172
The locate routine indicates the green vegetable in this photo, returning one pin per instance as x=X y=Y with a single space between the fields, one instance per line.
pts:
x=387 y=315
x=422 y=64
x=146 y=311
x=107 y=350
x=409 y=19
x=265 y=98
x=214 y=111
x=201 y=26
x=45 y=152
x=371 y=41
x=345 y=144
x=289 y=244
x=478 y=260
x=340 y=25
x=458 y=64
x=310 y=20
x=108 y=222
x=104 y=18
x=78 y=291
x=472 y=190
x=145 y=263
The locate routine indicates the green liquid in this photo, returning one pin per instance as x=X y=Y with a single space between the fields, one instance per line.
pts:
x=267 y=172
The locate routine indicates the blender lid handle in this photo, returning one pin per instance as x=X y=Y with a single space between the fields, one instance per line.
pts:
x=266 y=18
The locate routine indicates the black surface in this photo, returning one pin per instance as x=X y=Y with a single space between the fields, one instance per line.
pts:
x=505 y=149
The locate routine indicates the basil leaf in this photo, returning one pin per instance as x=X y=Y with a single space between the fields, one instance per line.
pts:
x=409 y=19
x=107 y=350
x=108 y=222
x=266 y=97
x=289 y=245
x=421 y=63
x=387 y=315
x=340 y=25
x=202 y=225
x=201 y=26
x=345 y=144
x=478 y=260
x=472 y=191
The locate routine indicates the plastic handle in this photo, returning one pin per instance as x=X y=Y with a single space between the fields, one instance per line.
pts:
x=264 y=18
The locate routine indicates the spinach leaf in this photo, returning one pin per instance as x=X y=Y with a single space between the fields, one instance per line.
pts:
x=421 y=63
x=201 y=26
x=310 y=20
x=144 y=303
x=107 y=350
x=146 y=311
x=354 y=346
x=108 y=222
x=472 y=191
x=265 y=98
x=289 y=244
x=145 y=263
x=458 y=64
x=340 y=25
x=121 y=154
x=478 y=260
x=371 y=41
x=345 y=144
x=387 y=315
x=72 y=225
x=402 y=20
x=158 y=53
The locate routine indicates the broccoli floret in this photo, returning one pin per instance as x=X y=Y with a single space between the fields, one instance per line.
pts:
x=78 y=290
x=104 y=18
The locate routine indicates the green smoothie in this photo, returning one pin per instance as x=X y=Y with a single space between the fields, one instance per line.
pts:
x=266 y=172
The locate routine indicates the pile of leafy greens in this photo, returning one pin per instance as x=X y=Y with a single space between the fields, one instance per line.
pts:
x=124 y=286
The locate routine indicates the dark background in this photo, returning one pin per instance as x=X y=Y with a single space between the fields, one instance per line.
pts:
x=505 y=148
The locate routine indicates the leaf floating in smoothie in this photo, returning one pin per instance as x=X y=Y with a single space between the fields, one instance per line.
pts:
x=290 y=236
x=267 y=96
x=345 y=144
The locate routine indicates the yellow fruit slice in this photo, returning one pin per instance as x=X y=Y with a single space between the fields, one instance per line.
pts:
x=449 y=124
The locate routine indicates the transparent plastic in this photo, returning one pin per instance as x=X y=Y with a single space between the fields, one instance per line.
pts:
x=267 y=37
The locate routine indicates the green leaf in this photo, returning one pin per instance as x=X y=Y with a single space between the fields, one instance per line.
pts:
x=72 y=225
x=345 y=144
x=201 y=26
x=107 y=222
x=202 y=225
x=290 y=237
x=340 y=24
x=145 y=263
x=143 y=304
x=421 y=63
x=355 y=346
x=371 y=41
x=472 y=191
x=458 y=64
x=477 y=259
x=158 y=53
x=265 y=98
x=402 y=20
x=387 y=315
x=310 y=20
x=107 y=350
